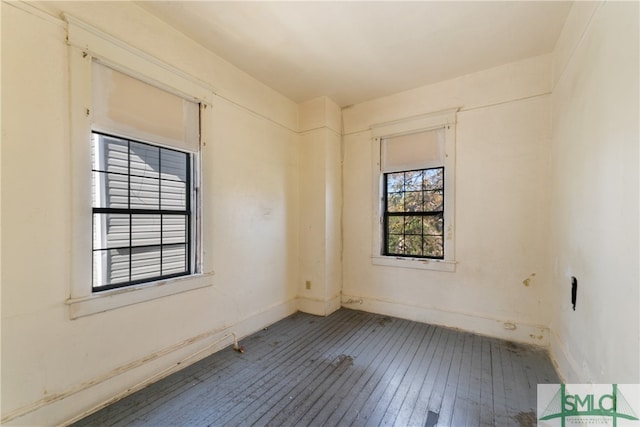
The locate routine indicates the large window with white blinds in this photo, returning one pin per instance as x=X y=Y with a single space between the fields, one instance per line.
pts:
x=143 y=145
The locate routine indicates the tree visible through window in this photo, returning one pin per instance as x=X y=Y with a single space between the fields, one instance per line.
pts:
x=141 y=212
x=414 y=213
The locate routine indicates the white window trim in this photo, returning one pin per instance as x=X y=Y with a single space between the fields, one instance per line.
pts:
x=87 y=44
x=446 y=119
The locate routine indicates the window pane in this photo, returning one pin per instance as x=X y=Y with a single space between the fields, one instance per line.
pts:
x=174 y=229
x=433 y=179
x=145 y=192
x=110 y=154
x=395 y=182
x=433 y=225
x=433 y=201
x=413 y=245
x=396 y=224
x=413 y=201
x=118 y=265
x=117 y=157
x=395 y=244
x=433 y=246
x=110 y=190
x=174 y=195
x=413 y=181
x=145 y=160
x=395 y=202
x=174 y=165
x=145 y=230
x=110 y=267
x=413 y=225
x=110 y=231
x=145 y=262
x=117 y=191
x=174 y=259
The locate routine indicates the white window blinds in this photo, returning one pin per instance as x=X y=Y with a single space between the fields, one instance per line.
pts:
x=413 y=151
x=126 y=106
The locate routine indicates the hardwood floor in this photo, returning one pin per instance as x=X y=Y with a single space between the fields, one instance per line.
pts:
x=351 y=368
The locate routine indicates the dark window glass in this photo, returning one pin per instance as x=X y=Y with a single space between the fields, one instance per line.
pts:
x=414 y=213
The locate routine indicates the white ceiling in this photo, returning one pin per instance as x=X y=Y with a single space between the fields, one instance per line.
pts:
x=353 y=51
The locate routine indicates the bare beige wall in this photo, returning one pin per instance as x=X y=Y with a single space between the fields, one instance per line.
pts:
x=320 y=257
x=251 y=199
x=285 y=211
x=500 y=284
x=594 y=189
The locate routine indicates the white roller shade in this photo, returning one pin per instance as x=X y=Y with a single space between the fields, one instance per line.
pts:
x=130 y=107
x=419 y=150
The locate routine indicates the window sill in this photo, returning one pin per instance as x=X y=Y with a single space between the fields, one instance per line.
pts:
x=121 y=297
x=416 y=263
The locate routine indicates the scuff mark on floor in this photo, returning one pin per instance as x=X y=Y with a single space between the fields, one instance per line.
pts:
x=384 y=321
x=432 y=419
x=341 y=360
x=526 y=419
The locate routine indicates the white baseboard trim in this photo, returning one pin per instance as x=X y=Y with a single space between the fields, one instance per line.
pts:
x=565 y=364
x=61 y=408
x=319 y=307
x=507 y=329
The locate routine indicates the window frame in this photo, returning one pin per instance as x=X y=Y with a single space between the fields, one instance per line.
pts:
x=445 y=120
x=87 y=44
x=405 y=213
x=187 y=213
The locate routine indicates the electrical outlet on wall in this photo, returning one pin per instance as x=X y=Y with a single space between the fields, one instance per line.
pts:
x=307 y=284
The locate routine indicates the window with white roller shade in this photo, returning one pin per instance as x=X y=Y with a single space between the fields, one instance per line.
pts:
x=144 y=228
x=143 y=144
x=413 y=172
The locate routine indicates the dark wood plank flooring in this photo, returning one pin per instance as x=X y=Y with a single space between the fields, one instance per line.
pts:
x=349 y=369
